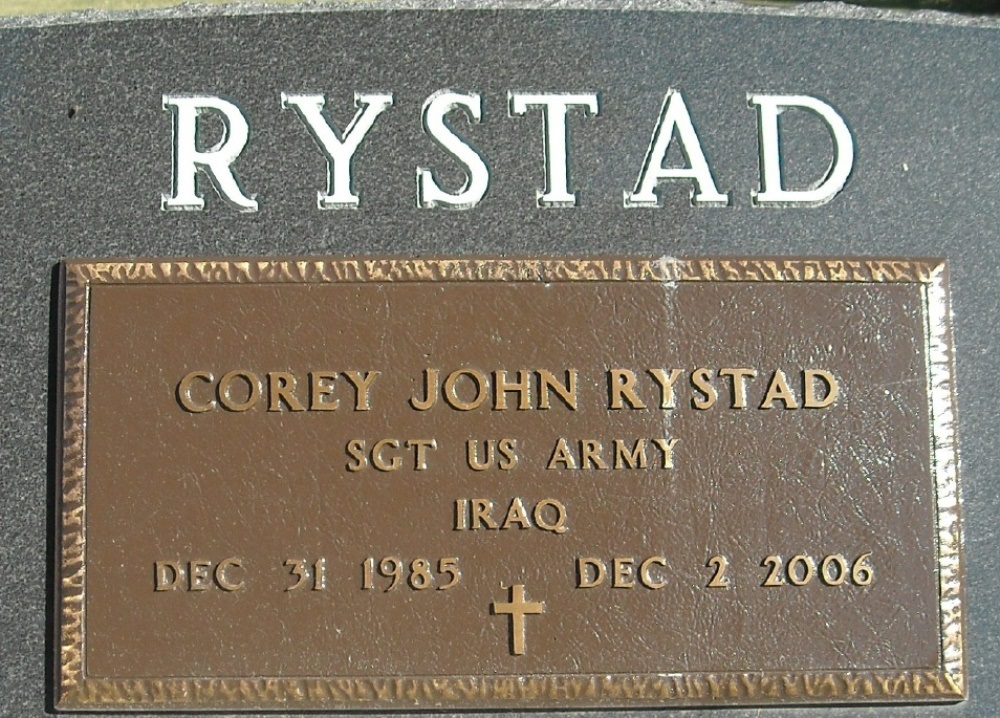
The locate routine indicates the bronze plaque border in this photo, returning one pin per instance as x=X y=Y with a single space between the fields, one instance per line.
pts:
x=76 y=691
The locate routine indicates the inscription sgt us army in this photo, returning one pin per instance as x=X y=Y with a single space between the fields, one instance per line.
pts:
x=320 y=483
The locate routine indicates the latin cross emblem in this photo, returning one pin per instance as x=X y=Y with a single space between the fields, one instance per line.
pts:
x=517 y=608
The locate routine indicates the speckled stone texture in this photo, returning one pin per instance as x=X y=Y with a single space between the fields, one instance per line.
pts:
x=85 y=153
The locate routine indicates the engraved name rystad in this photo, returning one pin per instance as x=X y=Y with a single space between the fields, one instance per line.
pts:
x=445 y=108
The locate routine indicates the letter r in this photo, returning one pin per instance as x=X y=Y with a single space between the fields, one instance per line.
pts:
x=216 y=162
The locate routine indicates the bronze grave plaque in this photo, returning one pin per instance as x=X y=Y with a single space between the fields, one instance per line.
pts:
x=296 y=484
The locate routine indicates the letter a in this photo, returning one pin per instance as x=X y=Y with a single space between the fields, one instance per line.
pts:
x=675 y=117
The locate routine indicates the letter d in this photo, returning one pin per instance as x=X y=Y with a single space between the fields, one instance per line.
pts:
x=771 y=191
x=167 y=575
x=583 y=566
x=812 y=401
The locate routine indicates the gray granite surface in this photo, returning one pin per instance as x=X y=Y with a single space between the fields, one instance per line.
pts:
x=85 y=153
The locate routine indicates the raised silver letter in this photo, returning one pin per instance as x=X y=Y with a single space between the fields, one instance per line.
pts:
x=477 y=174
x=338 y=149
x=215 y=162
x=674 y=115
x=771 y=192
x=556 y=192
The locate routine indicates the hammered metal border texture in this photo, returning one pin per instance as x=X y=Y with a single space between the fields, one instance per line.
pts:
x=76 y=691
